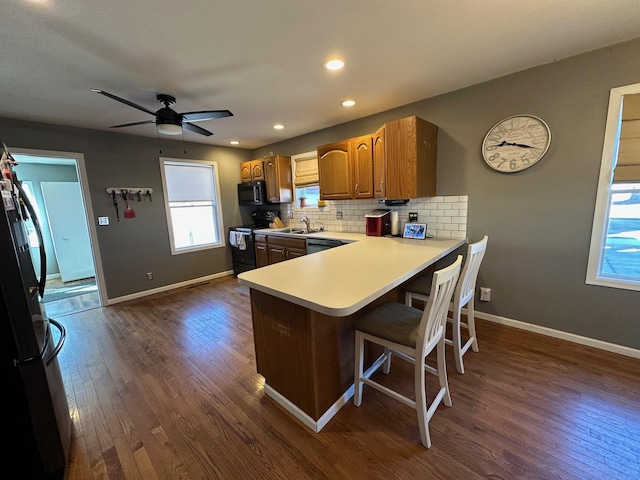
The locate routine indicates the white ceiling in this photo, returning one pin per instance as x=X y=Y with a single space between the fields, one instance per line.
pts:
x=262 y=59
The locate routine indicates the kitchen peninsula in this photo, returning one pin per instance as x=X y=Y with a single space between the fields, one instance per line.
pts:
x=303 y=312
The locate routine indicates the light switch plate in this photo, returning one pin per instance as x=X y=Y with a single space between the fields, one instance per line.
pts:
x=103 y=220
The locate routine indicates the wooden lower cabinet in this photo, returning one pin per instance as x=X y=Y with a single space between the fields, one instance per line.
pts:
x=277 y=253
x=304 y=355
x=262 y=253
x=275 y=248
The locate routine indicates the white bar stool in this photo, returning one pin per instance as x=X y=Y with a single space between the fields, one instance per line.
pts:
x=410 y=334
x=464 y=296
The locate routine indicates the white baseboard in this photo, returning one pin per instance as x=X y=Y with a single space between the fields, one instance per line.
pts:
x=52 y=276
x=314 y=425
x=571 y=337
x=153 y=291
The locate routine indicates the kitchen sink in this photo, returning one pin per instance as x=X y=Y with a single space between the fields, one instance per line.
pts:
x=295 y=231
x=289 y=230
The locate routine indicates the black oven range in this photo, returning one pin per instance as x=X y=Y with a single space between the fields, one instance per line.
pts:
x=241 y=241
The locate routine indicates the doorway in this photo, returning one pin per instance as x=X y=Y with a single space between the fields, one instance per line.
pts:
x=57 y=182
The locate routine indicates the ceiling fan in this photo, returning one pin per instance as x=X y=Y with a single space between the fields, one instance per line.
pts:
x=168 y=121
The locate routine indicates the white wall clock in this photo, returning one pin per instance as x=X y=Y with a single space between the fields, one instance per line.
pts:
x=516 y=143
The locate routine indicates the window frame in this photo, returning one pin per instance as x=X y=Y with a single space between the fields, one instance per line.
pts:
x=604 y=194
x=217 y=206
x=296 y=200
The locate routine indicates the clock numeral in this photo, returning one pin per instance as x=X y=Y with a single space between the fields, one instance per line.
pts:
x=513 y=164
x=494 y=137
x=493 y=157
x=490 y=148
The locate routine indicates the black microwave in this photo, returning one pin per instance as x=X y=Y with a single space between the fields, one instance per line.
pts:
x=252 y=193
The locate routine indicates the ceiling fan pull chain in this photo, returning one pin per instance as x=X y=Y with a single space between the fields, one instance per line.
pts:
x=159 y=147
x=184 y=147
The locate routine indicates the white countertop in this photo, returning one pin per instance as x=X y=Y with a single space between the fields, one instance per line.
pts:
x=340 y=281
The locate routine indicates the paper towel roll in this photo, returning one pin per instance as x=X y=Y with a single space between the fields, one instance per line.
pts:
x=395 y=226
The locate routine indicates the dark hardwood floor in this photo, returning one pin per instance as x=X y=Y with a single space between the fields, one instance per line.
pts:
x=166 y=388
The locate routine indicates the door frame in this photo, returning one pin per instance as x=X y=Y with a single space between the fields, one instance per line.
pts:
x=88 y=209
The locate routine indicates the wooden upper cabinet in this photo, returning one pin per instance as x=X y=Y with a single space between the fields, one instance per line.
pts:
x=278 y=179
x=410 y=158
x=335 y=172
x=379 y=163
x=363 y=167
x=397 y=162
x=345 y=169
x=251 y=171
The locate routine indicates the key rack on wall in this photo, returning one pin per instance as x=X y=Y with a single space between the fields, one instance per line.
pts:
x=131 y=191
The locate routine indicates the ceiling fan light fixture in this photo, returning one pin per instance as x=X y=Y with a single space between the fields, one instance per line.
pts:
x=169 y=129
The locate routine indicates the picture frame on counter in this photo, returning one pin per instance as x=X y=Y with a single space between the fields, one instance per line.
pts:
x=415 y=230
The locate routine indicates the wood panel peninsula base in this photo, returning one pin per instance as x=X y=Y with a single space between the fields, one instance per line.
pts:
x=306 y=357
x=303 y=312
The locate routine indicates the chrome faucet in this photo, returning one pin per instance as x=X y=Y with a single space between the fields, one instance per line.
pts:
x=305 y=220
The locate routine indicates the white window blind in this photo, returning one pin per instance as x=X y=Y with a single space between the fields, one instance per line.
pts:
x=190 y=183
x=306 y=172
x=628 y=162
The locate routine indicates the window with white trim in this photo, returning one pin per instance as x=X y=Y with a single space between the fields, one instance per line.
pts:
x=192 y=203
x=305 y=179
x=614 y=255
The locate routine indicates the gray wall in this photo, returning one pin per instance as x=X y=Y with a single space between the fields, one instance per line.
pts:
x=538 y=221
x=132 y=247
x=38 y=173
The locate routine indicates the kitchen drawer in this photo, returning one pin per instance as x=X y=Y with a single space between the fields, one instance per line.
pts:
x=259 y=237
x=297 y=243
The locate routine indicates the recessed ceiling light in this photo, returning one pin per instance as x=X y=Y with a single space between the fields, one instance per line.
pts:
x=278 y=126
x=348 y=103
x=234 y=142
x=334 y=64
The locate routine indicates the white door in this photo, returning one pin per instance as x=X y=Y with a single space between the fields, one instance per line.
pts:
x=69 y=229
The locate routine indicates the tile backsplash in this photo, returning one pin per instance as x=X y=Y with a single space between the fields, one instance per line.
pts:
x=445 y=216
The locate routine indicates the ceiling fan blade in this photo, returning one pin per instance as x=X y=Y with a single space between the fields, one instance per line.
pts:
x=122 y=100
x=196 y=129
x=132 y=124
x=205 y=115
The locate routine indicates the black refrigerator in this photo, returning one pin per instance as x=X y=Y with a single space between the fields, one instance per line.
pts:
x=37 y=431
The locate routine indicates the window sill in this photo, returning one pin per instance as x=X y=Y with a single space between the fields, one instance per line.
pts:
x=614 y=283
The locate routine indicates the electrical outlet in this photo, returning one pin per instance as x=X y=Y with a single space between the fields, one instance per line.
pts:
x=338 y=215
x=413 y=217
x=149 y=275
x=485 y=294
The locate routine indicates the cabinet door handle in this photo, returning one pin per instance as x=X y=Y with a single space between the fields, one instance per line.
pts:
x=356 y=188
